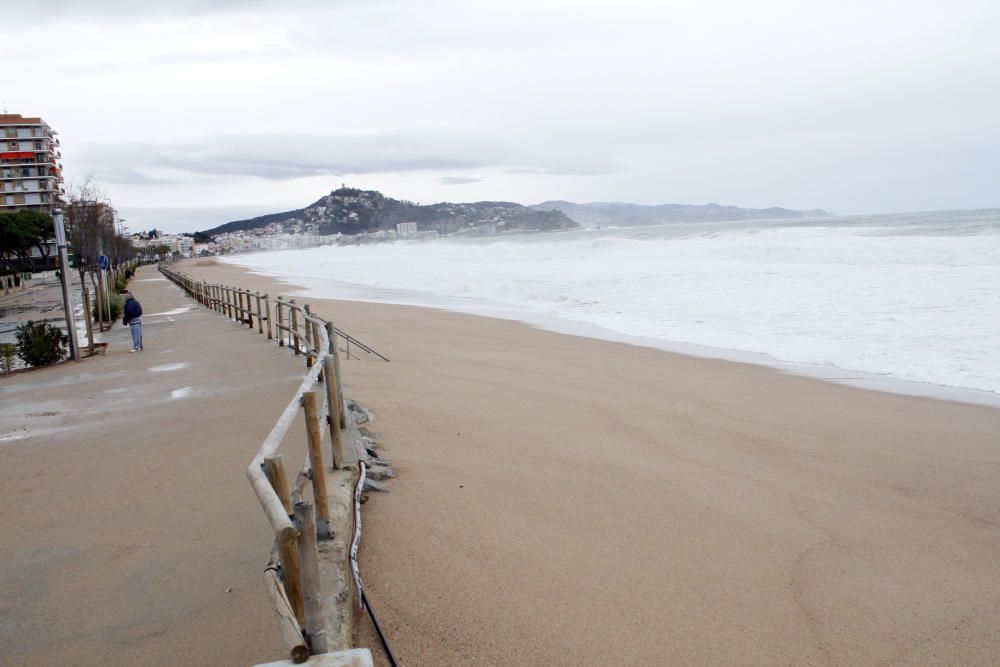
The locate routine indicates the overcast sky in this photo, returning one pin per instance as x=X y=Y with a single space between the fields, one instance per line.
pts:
x=203 y=112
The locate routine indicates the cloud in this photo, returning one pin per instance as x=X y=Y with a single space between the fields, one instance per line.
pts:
x=131 y=176
x=458 y=180
x=280 y=157
x=177 y=219
x=124 y=10
x=568 y=170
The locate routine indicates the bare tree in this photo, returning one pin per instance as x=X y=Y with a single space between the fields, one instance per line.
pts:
x=90 y=229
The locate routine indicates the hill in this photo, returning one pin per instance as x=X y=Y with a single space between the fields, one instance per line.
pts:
x=354 y=211
x=613 y=213
x=255 y=223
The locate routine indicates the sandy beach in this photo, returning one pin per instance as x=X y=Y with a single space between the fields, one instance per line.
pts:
x=564 y=500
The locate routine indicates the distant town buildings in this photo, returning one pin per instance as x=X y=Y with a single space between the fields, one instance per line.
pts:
x=30 y=171
x=404 y=228
x=173 y=243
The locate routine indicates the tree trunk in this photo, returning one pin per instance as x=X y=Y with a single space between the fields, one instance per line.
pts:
x=98 y=301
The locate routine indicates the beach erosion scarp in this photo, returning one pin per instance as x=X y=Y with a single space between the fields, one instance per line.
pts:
x=565 y=500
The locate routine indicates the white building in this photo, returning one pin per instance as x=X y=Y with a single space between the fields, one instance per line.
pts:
x=30 y=172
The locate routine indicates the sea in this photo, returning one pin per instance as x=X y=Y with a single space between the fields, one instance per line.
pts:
x=908 y=303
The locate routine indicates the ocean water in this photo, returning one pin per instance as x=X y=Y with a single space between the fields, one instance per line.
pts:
x=913 y=297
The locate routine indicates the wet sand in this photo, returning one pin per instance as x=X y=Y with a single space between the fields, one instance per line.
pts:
x=570 y=501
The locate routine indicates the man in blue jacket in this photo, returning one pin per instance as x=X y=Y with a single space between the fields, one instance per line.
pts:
x=133 y=320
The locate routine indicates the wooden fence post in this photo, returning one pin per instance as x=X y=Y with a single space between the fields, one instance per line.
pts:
x=306 y=329
x=260 y=316
x=313 y=596
x=249 y=309
x=267 y=307
x=316 y=338
x=274 y=468
x=311 y=404
x=295 y=325
x=279 y=308
x=331 y=331
x=333 y=408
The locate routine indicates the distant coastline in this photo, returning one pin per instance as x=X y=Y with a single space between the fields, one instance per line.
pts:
x=351 y=211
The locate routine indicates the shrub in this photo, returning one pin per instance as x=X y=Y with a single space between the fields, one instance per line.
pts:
x=7 y=353
x=41 y=344
x=121 y=284
x=116 y=309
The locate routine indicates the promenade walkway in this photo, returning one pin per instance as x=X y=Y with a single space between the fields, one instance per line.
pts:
x=129 y=533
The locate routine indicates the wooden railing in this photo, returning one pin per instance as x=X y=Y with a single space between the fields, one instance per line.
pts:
x=292 y=572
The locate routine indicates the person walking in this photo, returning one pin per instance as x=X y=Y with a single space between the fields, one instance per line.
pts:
x=133 y=320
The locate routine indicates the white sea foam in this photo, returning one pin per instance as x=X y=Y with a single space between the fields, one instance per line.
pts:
x=911 y=297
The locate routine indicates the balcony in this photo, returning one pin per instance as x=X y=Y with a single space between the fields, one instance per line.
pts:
x=26 y=189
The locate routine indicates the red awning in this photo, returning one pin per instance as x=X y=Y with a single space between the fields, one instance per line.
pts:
x=16 y=156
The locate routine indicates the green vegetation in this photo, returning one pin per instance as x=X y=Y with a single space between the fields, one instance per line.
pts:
x=41 y=344
x=7 y=353
x=20 y=231
x=115 y=301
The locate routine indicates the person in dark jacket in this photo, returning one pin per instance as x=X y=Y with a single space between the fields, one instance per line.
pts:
x=133 y=320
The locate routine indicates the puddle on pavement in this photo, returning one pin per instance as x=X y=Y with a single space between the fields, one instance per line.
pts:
x=169 y=367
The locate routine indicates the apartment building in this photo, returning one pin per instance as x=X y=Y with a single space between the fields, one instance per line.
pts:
x=30 y=171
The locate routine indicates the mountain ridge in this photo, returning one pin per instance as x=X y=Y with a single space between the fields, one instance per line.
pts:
x=622 y=213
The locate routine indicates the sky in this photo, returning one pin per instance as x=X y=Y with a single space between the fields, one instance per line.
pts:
x=193 y=114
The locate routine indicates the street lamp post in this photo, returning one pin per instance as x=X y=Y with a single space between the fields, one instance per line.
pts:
x=74 y=347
